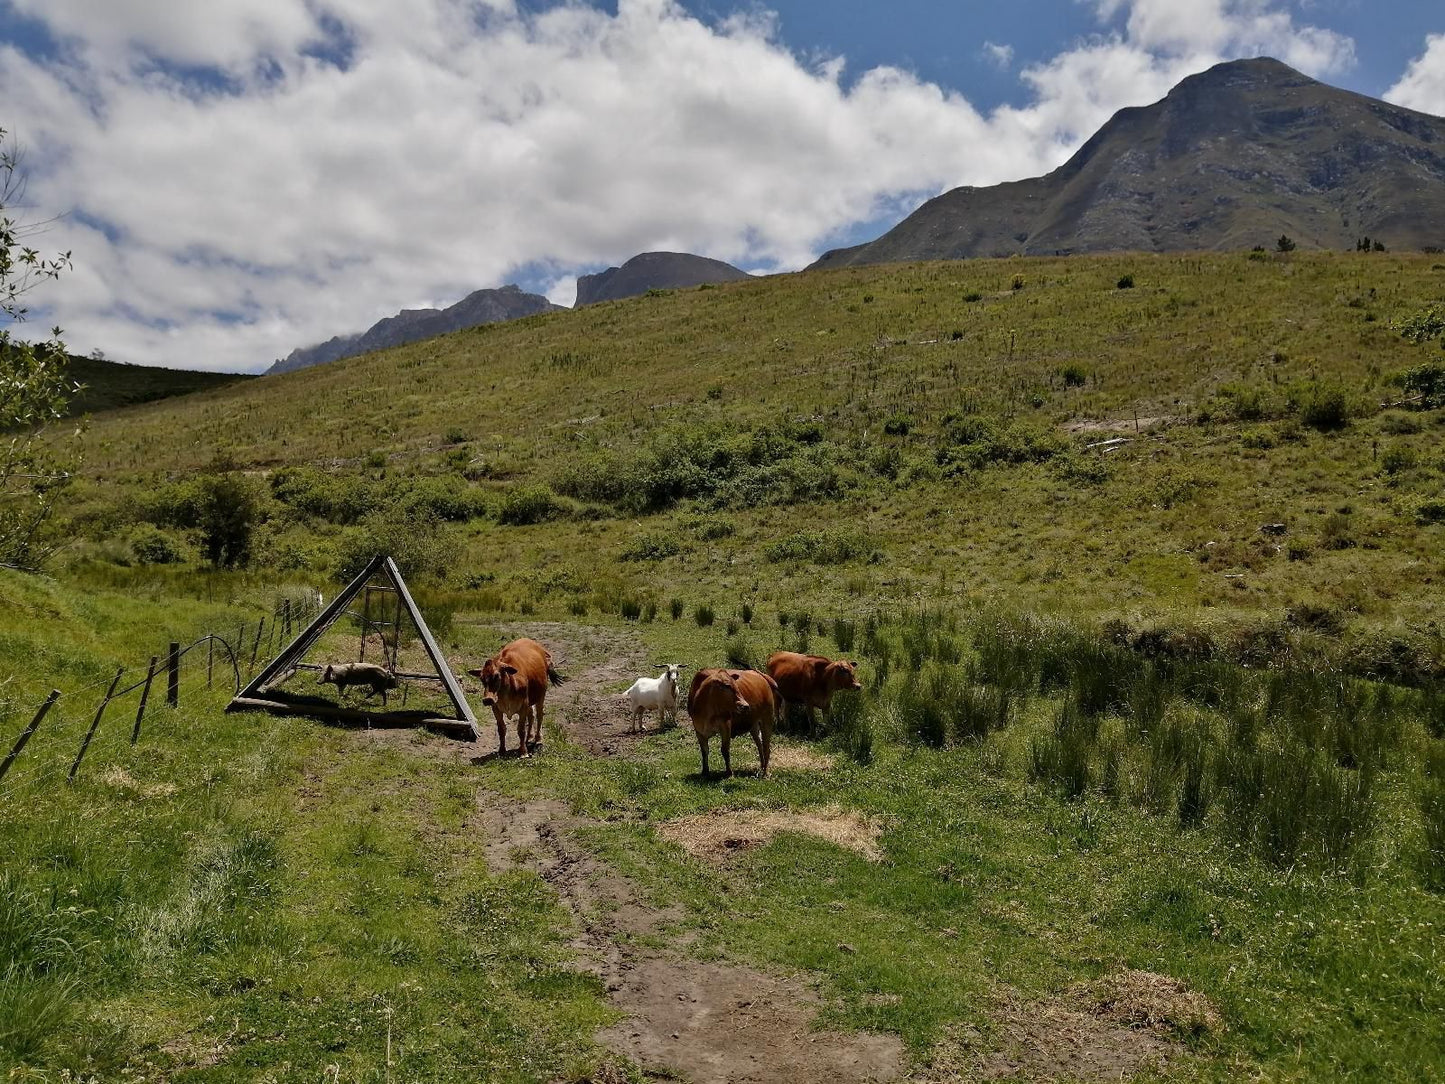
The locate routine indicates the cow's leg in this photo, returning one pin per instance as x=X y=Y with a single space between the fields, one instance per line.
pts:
x=537 y=733
x=726 y=738
x=524 y=730
x=702 y=744
x=501 y=730
x=763 y=739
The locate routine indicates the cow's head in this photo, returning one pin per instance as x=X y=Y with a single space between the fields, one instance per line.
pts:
x=841 y=675
x=491 y=674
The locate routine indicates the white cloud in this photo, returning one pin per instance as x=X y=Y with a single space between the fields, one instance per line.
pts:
x=1422 y=86
x=352 y=154
x=1000 y=56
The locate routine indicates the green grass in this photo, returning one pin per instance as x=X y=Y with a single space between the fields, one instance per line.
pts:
x=779 y=442
x=1109 y=720
x=109 y=385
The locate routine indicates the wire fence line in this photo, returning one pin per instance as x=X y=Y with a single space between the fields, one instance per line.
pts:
x=48 y=740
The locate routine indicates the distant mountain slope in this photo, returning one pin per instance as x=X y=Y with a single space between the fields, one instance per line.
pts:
x=412 y=325
x=1231 y=158
x=111 y=384
x=654 y=271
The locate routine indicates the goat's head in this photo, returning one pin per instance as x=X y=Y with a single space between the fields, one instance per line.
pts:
x=326 y=677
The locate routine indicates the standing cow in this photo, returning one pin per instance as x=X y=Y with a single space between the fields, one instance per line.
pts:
x=765 y=710
x=732 y=702
x=514 y=682
x=811 y=680
x=716 y=707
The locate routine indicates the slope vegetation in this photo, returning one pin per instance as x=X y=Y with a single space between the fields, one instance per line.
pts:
x=1209 y=440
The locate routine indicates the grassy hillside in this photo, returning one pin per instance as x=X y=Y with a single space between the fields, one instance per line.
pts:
x=835 y=438
x=1123 y=794
x=109 y=384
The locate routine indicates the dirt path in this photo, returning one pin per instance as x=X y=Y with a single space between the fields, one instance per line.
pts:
x=709 y=1023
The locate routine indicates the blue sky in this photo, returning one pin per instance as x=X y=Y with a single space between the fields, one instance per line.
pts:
x=241 y=177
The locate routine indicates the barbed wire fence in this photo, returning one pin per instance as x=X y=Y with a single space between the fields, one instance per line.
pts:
x=69 y=719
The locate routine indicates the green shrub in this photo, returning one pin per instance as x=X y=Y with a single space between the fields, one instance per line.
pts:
x=830 y=546
x=630 y=609
x=704 y=616
x=421 y=548
x=651 y=546
x=1321 y=405
x=1423 y=326
x=1073 y=375
x=230 y=510
x=972 y=296
x=1126 y=282
x=675 y=608
x=746 y=613
x=524 y=505
x=153 y=546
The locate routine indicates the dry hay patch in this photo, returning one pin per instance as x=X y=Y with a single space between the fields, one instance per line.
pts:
x=725 y=832
x=117 y=777
x=798 y=758
x=1111 y=1028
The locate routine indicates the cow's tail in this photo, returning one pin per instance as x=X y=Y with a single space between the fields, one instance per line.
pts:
x=554 y=677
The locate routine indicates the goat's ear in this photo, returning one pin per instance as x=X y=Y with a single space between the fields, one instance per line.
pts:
x=507 y=669
x=476 y=671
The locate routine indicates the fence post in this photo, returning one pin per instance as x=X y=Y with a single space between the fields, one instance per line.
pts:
x=145 y=694
x=256 y=645
x=84 y=745
x=173 y=675
x=29 y=730
x=286 y=616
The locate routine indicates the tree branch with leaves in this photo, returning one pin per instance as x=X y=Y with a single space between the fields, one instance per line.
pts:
x=34 y=388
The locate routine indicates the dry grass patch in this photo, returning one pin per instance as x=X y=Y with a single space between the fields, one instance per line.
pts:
x=1110 y=1029
x=717 y=835
x=798 y=758
x=117 y=777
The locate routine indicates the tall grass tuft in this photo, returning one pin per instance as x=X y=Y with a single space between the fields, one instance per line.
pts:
x=1432 y=817
x=851 y=724
x=1062 y=757
x=703 y=615
x=845 y=633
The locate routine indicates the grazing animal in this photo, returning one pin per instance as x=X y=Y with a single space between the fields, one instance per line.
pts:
x=514 y=682
x=657 y=694
x=342 y=674
x=811 y=680
x=765 y=710
x=721 y=702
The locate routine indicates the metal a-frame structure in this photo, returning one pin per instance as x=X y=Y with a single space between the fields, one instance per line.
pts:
x=258 y=696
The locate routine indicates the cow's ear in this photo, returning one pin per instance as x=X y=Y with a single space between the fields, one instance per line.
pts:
x=506 y=669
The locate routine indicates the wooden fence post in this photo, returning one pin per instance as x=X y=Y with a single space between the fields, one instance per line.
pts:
x=256 y=645
x=145 y=694
x=286 y=615
x=93 y=724
x=29 y=730
x=173 y=675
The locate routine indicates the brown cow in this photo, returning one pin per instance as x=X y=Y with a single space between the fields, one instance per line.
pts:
x=717 y=707
x=765 y=709
x=514 y=682
x=811 y=680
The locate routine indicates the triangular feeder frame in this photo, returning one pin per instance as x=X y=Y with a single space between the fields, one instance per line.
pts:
x=257 y=697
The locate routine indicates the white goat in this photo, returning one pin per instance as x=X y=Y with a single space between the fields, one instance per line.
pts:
x=657 y=694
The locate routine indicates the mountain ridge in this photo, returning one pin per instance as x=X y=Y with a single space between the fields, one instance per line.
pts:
x=1231 y=157
x=654 y=271
x=508 y=302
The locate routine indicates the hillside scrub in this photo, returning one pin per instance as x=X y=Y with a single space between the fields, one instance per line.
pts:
x=1226 y=395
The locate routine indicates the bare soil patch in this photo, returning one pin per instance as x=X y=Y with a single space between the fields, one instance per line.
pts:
x=1110 y=1029
x=709 y=1023
x=714 y=836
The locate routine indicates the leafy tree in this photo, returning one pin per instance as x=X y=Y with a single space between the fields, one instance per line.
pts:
x=1285 y=243
x=229 y=512
x=34 y=389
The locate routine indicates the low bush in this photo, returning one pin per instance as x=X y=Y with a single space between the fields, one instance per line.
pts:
x=830 y=546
